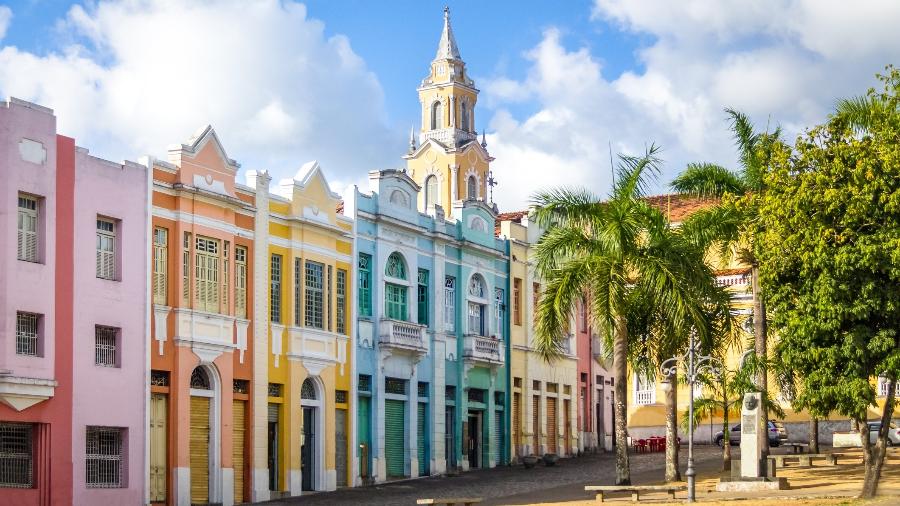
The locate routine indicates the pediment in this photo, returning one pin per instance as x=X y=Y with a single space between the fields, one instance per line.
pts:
x=205 y=148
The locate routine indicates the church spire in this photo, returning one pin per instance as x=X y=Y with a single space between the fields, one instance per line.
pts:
x=447 y=49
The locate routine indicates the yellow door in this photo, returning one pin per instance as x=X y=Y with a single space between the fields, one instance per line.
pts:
x=158 y=435
x=551 y=425
x=199 y=450
x=238 y=450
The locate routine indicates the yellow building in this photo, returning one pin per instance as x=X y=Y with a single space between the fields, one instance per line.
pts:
x=543 y=415
x=304 y=304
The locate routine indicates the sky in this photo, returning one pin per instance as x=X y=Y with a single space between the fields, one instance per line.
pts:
x=564 y=84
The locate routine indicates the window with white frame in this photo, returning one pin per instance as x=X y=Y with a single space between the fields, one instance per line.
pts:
x=104 y=457
x=329 y=296
x=240 y=281
x=160 y=265
x=884 y=386
x=315 y=274
x=106 y=249
x=226 y=264
x=106 y=346
x=476 y=308
x=431 y=191
x=644 y=390
x=28 y=334
x=341 y=309
x=206 y=274
x=275 y=289
x=476 y=319
x=16 y=455
x=186 y=269
x=27 y=226
x=436 y=116
x=298 y=292
x=471 y=188
x=450 y=303
x=499 y=306
x=477 y=287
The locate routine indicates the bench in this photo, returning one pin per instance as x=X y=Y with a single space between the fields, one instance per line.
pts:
x=450 y=501
x=803 y=459
x=797 y=447
x=844 y=456
x=634 y=489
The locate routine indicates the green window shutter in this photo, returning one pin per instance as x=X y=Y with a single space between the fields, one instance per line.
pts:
x=395 y=302
x=364 y=288
x=423 y=297
x=394 y=437
x=363 y=428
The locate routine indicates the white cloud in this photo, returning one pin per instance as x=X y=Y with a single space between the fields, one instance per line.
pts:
x=780 y=61
x=138 y=76
x=5 y=17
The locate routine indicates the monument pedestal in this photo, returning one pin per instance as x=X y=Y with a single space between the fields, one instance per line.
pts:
x=751 y=474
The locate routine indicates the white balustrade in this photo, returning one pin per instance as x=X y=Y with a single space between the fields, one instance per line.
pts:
x=402 y=334
x=483 y=349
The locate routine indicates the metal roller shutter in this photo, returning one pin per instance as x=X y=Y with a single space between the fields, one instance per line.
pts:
x=340 y=446
x=551 y=425
x=158 y=435
x=199 y=449
x=394 y=437
x=238 y=412
x=422 y=438
x=499 y=430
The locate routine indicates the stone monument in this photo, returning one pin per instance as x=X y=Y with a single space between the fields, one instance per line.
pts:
x=750 y=451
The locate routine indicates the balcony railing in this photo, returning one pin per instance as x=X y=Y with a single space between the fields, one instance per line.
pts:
x=644 y=397
x=484 y=349
x=403 y=335
x=449 y=136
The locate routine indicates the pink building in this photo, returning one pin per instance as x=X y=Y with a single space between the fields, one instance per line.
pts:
x=595 y=385
x=73 y=306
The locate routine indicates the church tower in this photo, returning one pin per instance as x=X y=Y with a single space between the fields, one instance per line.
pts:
x=448 y=162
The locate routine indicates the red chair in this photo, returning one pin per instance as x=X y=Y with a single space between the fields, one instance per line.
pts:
x=640 y=446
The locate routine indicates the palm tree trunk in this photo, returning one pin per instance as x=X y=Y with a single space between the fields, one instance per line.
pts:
x=620 y=370
x=876 y=456
x=813 y=435
x=672 y=471
x=762 y=379
x=726 y=437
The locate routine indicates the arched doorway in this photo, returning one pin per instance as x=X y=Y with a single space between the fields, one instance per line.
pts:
x=205 y=461
x=312 y=447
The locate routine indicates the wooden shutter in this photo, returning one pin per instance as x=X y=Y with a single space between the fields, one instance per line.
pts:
x=26 y=238
x=394 y=437
x=517 y=424
x=552 y=427
x=536 y=424
x=160 y=265
x=158 y=453
x=238 y=412
x=364 y=430
x=199 y=449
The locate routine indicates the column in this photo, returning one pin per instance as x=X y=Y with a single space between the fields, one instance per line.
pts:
x=412 y=420
x=260 y=291
x=454 y=192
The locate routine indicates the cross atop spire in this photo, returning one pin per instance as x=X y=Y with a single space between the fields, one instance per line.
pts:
x=447 y=49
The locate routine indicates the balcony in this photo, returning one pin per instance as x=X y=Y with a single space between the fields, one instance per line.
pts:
x=644 y=397
x=402 y=335
x=449 y=136
x=488 y=350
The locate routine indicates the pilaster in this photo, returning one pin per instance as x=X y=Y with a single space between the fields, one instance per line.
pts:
x=260 y=289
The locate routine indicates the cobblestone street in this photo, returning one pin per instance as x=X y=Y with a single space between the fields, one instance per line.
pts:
x=515 y=485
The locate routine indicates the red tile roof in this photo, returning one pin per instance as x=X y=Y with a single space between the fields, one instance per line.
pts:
x=678 y=207
x=339 y=208
x=515 y=217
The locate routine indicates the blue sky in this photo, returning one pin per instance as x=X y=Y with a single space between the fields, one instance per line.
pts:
x=562 y=83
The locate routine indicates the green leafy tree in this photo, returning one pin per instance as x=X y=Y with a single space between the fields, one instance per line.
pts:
x=830 y=237
x=605 y=249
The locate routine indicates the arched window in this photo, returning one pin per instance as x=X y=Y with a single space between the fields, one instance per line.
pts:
x=436 y=116
x=476 y=308
x=200 y=379
x=471 y=188
x=431 y=191
x=308 y=390
x=396 y=267
x=477 y=286
x=464 y=116
x=399 y=198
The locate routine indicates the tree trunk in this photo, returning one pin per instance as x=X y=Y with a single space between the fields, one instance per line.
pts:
x=813 y=435
x=673 y=473
x=620 y=370
x=726 y=437
x=876 y=456
x=762 y=379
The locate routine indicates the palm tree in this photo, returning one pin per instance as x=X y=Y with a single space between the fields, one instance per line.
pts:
x=606 y=250
x=728 y=225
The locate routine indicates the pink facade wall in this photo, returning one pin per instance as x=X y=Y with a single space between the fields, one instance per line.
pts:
x=110 y=396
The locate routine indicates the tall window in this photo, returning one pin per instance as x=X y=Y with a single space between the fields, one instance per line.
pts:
x=315 y=273
x=422 y=294
x=471 y=188
x=106 y=344
x=106 y=249
x=186 y=269
x=464 y=116
x=240 y=281
x=275 y=291
x=341 y=301
x=225 y=275
x=206 y=274
x=436 y=121
x=449 y=303
x=517 y=301
x=16 y=455
x=477 y=290
x=27 y=235
x=395 y=294
x=160 y=265
x=104 y=455
x=431 y=191
x=298 y=292
x=364 y=285
x=499 y=304
x=28 y=334
x=329 y=296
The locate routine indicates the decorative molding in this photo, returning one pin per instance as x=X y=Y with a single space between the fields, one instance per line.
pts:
x=160 y=330
x=20 y=393
x=32 y=151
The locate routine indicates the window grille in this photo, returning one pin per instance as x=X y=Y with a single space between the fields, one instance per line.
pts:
x=160 y=265
x=159 y=378
x=476 y=395
x=225 y=276
x=105 y=346
x=275 y=291
x=499 y=304
x=396 y=267
x=308 y=390
x=314 y=288
x=200 y=380
x=394 y=386
x=449 y=303
x=499 y=398
x=423 y=389
x=340 y=396
x=206 y=274
x=240 y=281
x=241 y=386
x=27 y=333
x=517 y=301
x=476 y=319
x=395 y=301
x=341 y=301
x=106 y=249
x=186 y=269
x=298 y=292
x=274 y=390
x=364 y=383
x=476 y=287
x=364 y=285
x=552 y=388
x=103 y=458
x=450 y=393
x=329 y=296
x=422 y=294
x=16 y=455
x=27 y=235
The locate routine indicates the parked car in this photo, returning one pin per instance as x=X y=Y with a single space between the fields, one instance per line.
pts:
x=893 y=433
x=777 y=434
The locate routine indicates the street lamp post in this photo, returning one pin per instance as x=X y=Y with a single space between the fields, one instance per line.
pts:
x=695 y=365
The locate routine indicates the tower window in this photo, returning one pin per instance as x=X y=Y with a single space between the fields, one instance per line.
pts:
x=464 y=116
x=431 y=191
x=471 y=188
x=436 y=121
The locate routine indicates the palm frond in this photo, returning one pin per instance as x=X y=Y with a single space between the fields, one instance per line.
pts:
x=708 y=180
x=564 y=286
x=717 y=227
x=635 y=172
x=566 y=206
